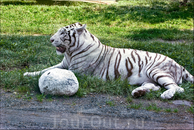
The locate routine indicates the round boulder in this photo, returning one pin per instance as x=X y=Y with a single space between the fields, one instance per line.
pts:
x=58 y=82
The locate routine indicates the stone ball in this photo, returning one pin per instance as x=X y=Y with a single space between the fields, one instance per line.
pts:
x=58 y=82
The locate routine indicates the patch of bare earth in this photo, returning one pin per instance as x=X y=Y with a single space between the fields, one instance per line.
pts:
x=90 y=112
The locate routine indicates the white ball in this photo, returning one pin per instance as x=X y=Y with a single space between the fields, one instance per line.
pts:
x=58 y=82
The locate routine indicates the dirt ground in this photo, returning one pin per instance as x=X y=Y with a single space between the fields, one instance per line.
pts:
x=89 y=112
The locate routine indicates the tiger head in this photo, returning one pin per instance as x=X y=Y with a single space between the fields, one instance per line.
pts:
x=66 y=36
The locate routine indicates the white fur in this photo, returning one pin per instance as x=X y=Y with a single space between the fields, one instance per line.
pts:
x=147 y=87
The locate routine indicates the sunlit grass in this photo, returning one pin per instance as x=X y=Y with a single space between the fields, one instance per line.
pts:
x=26 y=29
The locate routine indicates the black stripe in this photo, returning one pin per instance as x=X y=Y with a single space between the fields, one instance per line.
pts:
x=86 y=54
x=165 y=84
x=133 y=56
x=180 y=74
x=147 y=53
x=116 y=66
x=69 y=37
x=77 y=63
x=84 y=50
x=76 y=49
x=161 y=61
x=129 y=70
x=162 y=76
x=74 y=41
x=92 y=36
x=98 y=57
x=152 y=63
x=105 y=52
x=107 y=77
x=175 y=73
x=139 y=64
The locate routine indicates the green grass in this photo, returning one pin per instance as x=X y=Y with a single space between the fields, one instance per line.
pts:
x=135 y=106
x=110 y=103
x=40 y=97
x=153 y=107
x=168 y=110
x=175 y=110
x=129 y=99
x=26 y=29
x=191 y=109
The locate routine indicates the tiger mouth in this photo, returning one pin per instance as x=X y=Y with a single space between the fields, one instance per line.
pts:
x=61 y=49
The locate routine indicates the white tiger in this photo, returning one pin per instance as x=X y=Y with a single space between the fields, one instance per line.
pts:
x=84 y=53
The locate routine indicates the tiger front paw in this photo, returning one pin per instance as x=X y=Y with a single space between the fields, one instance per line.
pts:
x=138 y=92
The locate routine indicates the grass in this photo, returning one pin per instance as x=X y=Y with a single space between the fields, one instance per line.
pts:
x=135 y=106
x=175 y=110
x=110 y=103
x=40 y=97
x=168 y=110
x=191 y=109
x=153 y=107
x=150 y=25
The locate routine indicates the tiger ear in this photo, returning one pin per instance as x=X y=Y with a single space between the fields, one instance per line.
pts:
x=81 y=29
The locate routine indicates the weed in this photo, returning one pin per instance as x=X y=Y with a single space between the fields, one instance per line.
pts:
x=175 y=110
x=27 y=97
x=40 y=97
x=18 y=96
x=73 y=104
x=23 y=89
x=110 y=103
x=153 y=107
x=129 y=99
x=81 y=92
x=168 y=110
x=191 y=109
x=49 y=97
x=135 y=106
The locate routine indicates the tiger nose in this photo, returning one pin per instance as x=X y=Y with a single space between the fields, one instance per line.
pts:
x=52 y=40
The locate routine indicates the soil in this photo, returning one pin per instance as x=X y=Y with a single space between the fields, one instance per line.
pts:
x=94 y=111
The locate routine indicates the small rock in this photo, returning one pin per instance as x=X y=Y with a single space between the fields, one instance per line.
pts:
x=15 y=93
x=58 y=82
x=182 y=102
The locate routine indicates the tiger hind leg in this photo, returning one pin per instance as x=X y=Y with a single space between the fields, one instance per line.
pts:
x=171 y=90
x=166 y=80
x=145 y=87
